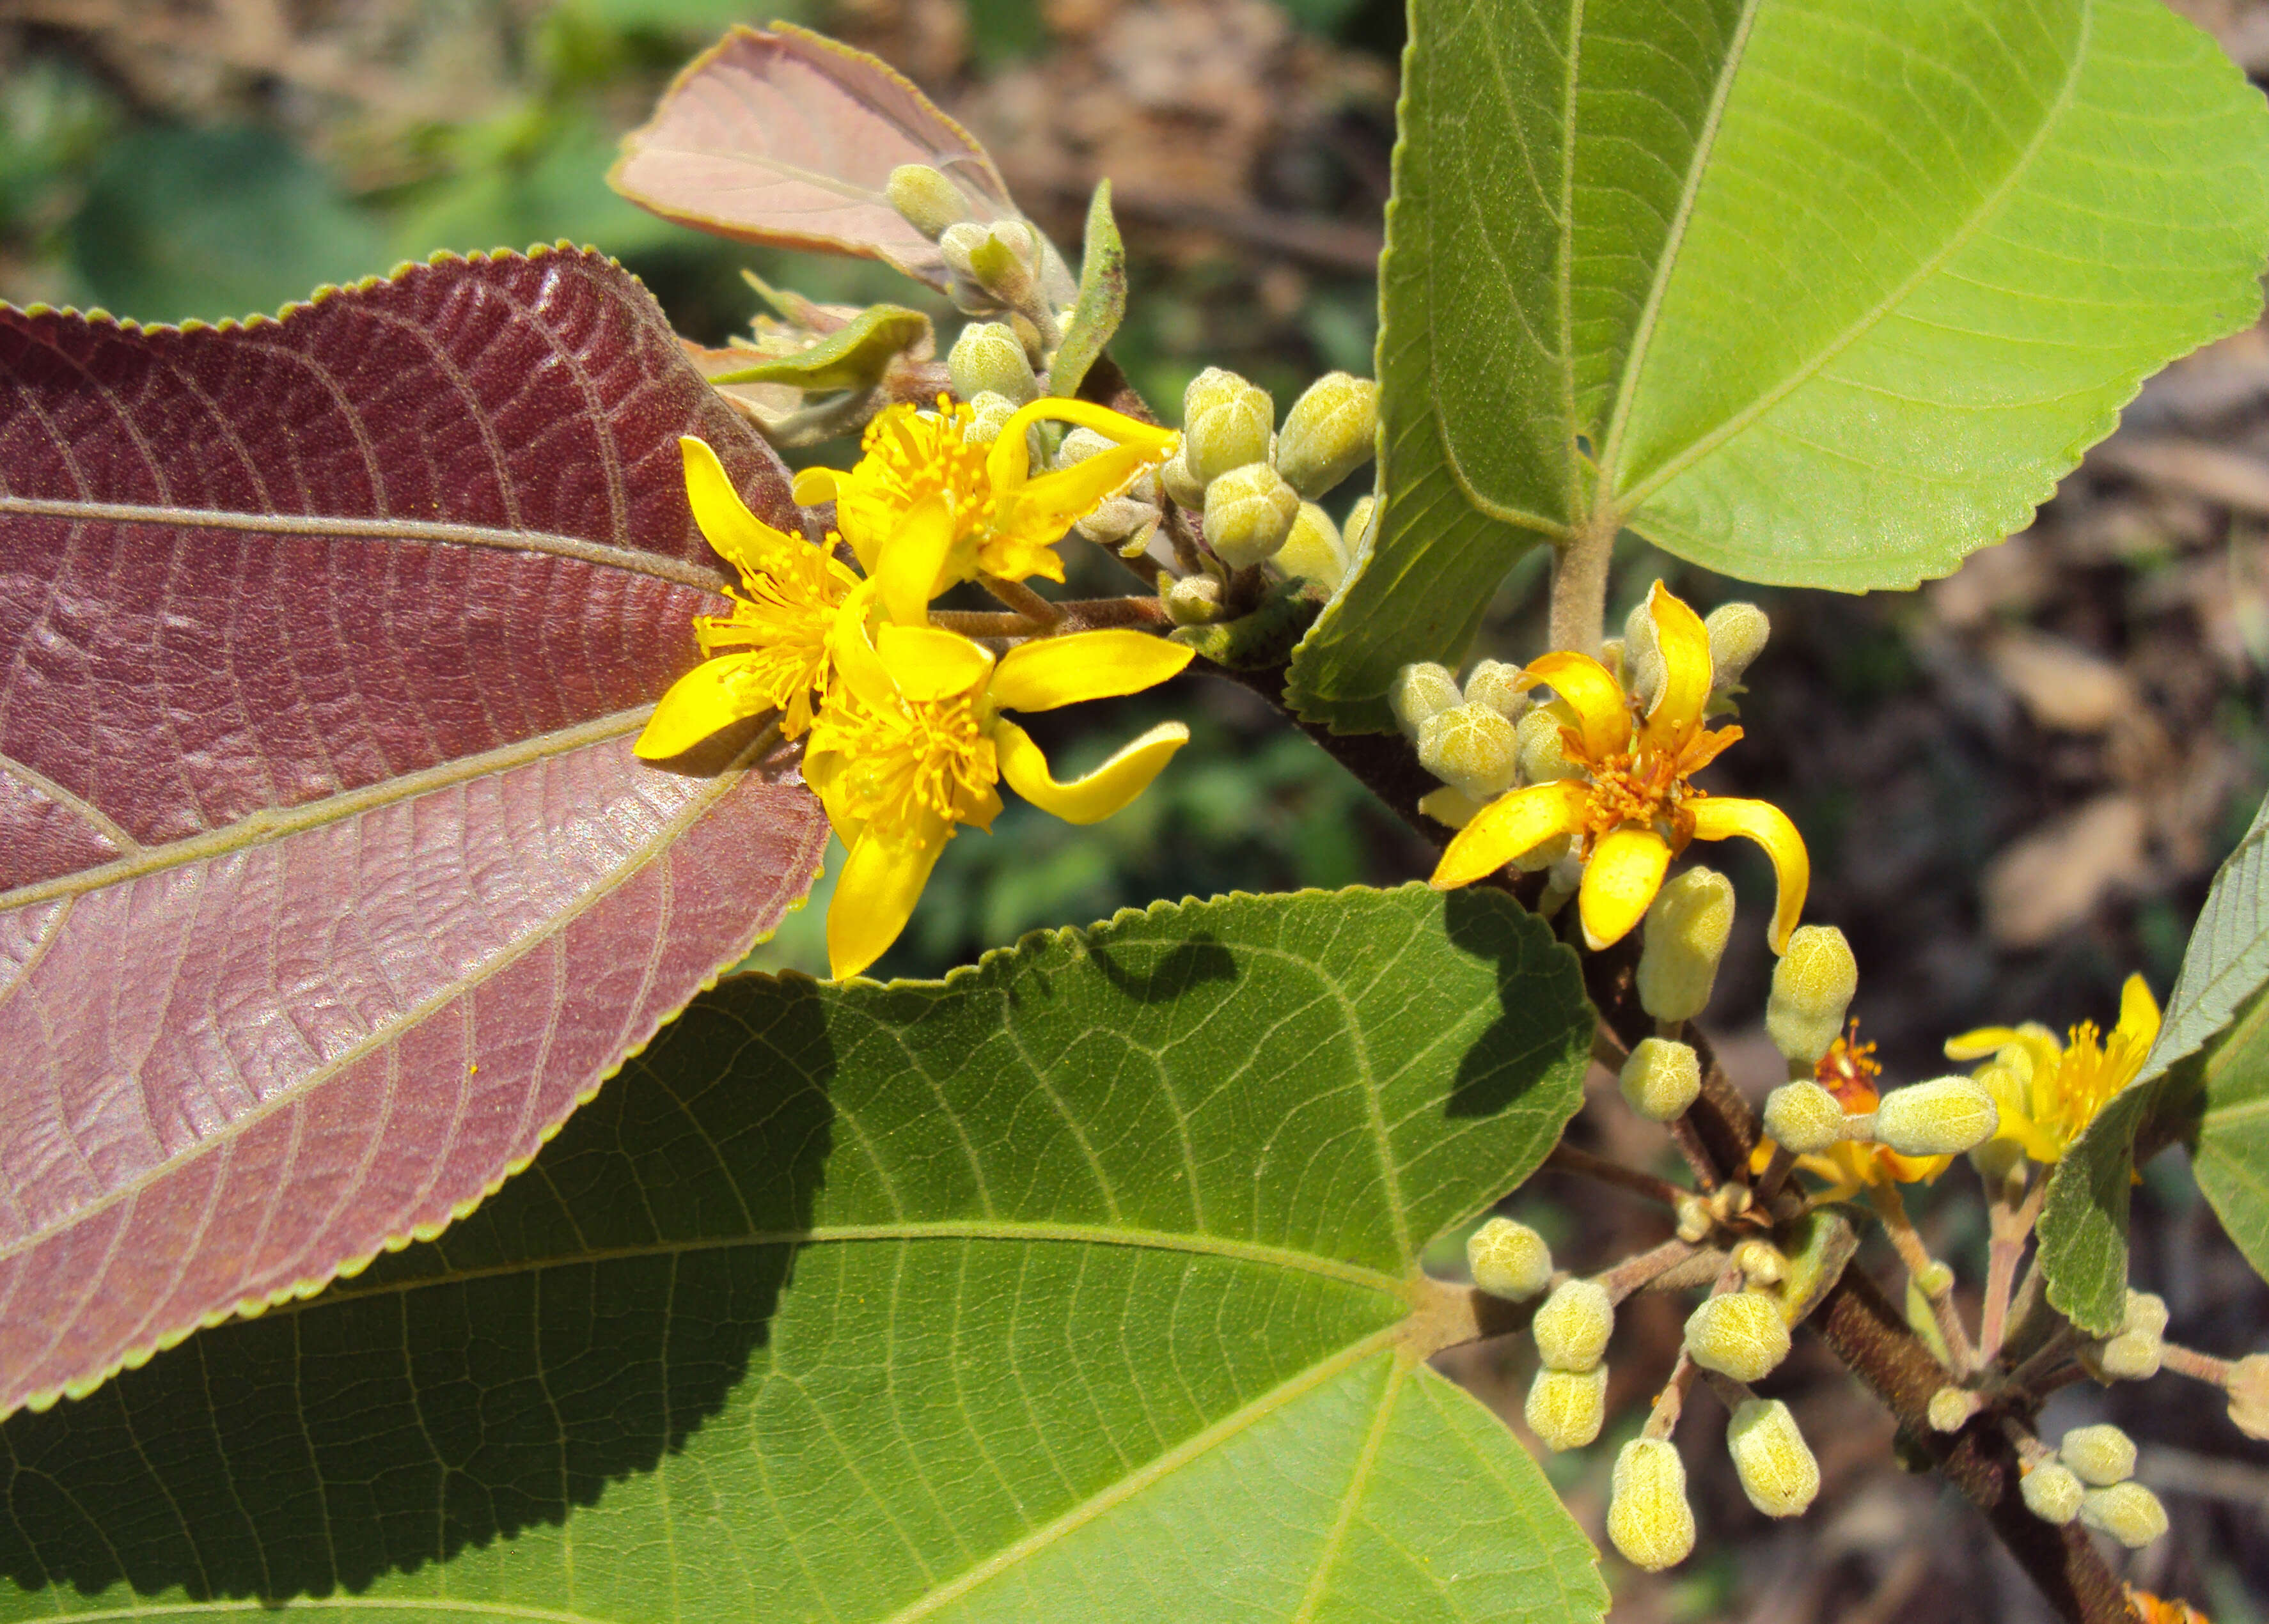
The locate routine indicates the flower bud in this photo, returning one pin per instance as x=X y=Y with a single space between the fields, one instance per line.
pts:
x=1951 y=1408
x=986 y=359
x=1356 y=534
x=1572 y=1327
x=1312 y=552
x=1249 y=513
x=1419 y=691
x=1174 y=478
x=925 y=199
x=1225 y=425
x=1566 y=1407
x=2131 y=1356
x=1497 y=684
x=1811 y=987
x=959 y=242
x=1648 y=1517
x=1740 y=1333
x=1328 y=432
x=1471 y=748
x=1944 y=1117
x=1544 y=758
x=1776 y=1467
x=1687 y=926
x=1694 y=1218
x=990 y=414
x=1080 y=444
x=1803 y=1117
x=1760 y=1262
x=1737 y=636
x=2146 y=1312
x=2249 y=1395
x=1934 y=1279
x=1642 y=656
x=2051 y=1493
x=1661 y=1079
x=1195 y=601
x=1509 y=1260
x=2129 y=1512
x=1116 y=519
x=2098 y=1455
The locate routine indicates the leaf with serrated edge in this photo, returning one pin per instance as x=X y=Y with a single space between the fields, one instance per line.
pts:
x=1817 y=292
x=328 y=883
x=1079 y=1286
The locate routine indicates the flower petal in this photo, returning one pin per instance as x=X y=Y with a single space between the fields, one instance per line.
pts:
x=813 y=485
x=1683 y=644
x=1976 y=1046
x=1009 y=462
x=874 y=894
x=851 y=648
x=1508 y=827
x=927 y=663
x=907 y=568
x=1591 y=690
x=1043 y=509
x=2138 y=1012
x=1718 y=818
x=1098 y=794
x=709 y=697
x=1625 y=872
x=1049 y=672
x=739 y=536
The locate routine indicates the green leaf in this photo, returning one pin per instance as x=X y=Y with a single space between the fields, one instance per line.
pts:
x=853 y=357
x=1102 y=302
x=1078 y=1286
x=1818 y=292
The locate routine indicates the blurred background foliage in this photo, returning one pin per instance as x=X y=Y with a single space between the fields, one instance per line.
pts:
x=2015 y=783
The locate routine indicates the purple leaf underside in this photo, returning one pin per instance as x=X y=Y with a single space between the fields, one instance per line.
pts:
x=328 y=883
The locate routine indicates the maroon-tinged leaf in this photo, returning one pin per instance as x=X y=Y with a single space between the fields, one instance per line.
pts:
x=784 y=136
x=328 y=883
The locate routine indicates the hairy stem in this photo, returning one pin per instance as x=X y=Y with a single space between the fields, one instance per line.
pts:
x=2012 y=1225
x=1579 y=583
x=1921 y=1269
x=1565 y=1158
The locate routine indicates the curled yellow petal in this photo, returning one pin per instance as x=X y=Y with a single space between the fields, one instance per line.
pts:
x=1010 y=461
x=874 y=894
x=1591 y=690
x=1096 y=796
x=1049 y=505
x=711 y=696
x=927 y=663
x=1509 y=827
x=1620 y=881
x=1683 y=643
x=852 y=646
x=906 y=569
x=1049 y=672
x=738 y=535
x=1976 y=1046
x=2138 y=1012
x=1721 y=818
x=813 y=485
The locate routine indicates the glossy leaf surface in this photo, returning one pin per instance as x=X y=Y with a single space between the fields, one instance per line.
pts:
x=328 y=883
x=1079 y=1286
x=1819 y=292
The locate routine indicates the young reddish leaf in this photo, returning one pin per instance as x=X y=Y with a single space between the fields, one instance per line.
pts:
x=328 y=883
x=785 y=136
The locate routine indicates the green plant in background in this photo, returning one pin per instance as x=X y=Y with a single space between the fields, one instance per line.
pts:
x=422 y=697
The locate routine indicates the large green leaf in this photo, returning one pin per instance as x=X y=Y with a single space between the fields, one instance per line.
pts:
x=1081 y=1286
x=1820 y=292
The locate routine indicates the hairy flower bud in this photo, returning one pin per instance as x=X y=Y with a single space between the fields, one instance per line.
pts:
x=1509 y=1260
x=1648 y=1517
x=1565 y=1408
x=1811 y=987
x=2132 y=1356
x=1776 y=1467
x=959 y=241
x=2129 y=1512
x=1471 y=748
x=1661 y=1078
x=2249 y=1395
x=1419 y=691
x=1951 y=1408
x=1249 y=513
x=1328 y=432
x=1195 y=601
x=2146 y=1312
x=925 y=199
x=1760 y=1261
x=1803 y=1117
x=1572 y=1327
x=1737 y=636
x=1944 y=1117
x=1185 y=489
x=989 y=415
x=1225 y=425
x=1544 y=758
x=986 y=359
x=2098 y=1455
x=1495 y=683
x=2051 y=1493
x=1314 y=551
x=1687 y=926
x=1738 y=1334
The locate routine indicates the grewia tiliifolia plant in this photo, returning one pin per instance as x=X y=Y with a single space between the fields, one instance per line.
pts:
x=415 y=701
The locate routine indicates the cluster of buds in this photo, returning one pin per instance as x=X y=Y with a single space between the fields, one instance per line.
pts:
x=1480 y=738
x=2136 y=1350
x=1000 y=267
x=2089 y=1475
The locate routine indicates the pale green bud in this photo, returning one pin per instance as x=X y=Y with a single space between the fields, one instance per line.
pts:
x=1934 y=1279
x=1312 y=552
x=1175 y=478
x=989 y=415
x=1687 y=926
x=1811 y=987
x=2249 y=1395
x=1740 y=1334
x=1115 y=518
x=986 y=359
x=2132 y=1356
x=1566 y=1408
x=1249 y=513
x=1328 y=432
x=1944 y=1117
x=1471 y=748
x=1497 y=684
x=1648 y=1517
x=1357 y=531
x=925 y=199
x=1803 y=1117
x=1737 y=637
x=1509 y=1260
x=2146 y=1312
x=959 y=241
x=1225 y=425
x=1573 y=1327
x=1951 y=1408
x=2098 y=1455
x=1776 y=1467
x=1544 y=758
x=2129 y=1512
x=1419 y=691
x=1661 y=1078
x=2051 y=1493
x=1195 y=601
x=1760 y=1262
x=1079 y=445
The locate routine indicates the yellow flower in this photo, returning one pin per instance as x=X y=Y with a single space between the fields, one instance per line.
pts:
x=950 y=510
x=771 y=651
x=1631 y=804
x=2048 y=1092
x=1848 y=1071
x=912 y=743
